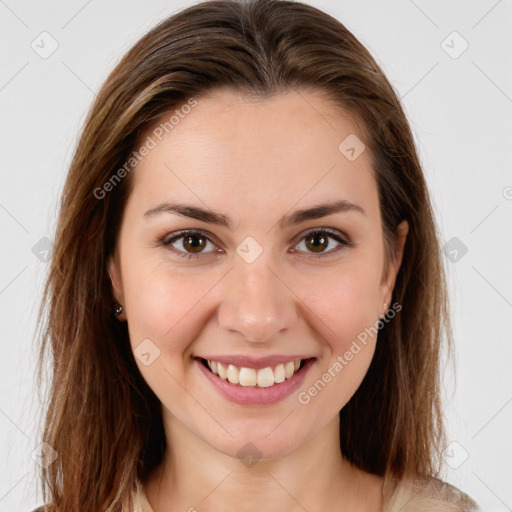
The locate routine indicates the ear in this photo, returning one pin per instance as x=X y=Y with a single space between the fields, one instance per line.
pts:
x=114 y=271
x=389 y=280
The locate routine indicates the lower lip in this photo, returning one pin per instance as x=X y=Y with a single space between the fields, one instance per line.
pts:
x=253 y=395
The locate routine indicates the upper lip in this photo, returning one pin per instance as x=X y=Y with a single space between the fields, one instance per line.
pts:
x=256 y=363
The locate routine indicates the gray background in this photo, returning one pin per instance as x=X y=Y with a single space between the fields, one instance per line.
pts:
x=459 y=106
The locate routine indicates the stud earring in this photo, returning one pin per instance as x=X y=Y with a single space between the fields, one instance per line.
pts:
x=118 y=310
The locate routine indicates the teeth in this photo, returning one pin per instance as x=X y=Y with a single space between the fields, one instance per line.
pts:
x=279 y=374
x=263 y=378
x=221 y=371
x=233 y=374
x=247 y=377
x=289 y=369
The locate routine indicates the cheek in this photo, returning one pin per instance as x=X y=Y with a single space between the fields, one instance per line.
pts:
x=346 y=302
x=167 y=308
x=163 y=304
x=346 y=313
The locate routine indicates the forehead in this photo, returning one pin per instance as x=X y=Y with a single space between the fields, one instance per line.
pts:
x=234 y=151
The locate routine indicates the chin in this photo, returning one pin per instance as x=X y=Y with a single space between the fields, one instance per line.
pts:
x=259 y=443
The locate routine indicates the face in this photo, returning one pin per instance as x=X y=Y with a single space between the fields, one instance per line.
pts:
x=263 y=276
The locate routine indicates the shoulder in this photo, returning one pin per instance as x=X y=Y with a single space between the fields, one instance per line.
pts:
x=428 y=495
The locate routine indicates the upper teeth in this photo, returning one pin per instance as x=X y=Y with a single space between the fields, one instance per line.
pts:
x=262 y=378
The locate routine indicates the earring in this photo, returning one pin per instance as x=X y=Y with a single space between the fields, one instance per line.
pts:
x=118 y=310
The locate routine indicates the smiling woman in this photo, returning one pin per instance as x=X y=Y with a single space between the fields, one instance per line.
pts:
x=248 y=315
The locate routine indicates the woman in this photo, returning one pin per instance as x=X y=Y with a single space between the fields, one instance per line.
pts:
x=246 y=300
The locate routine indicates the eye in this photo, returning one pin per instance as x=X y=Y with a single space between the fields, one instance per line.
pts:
x=319 y=242
x=189 y=244
x=194 y=243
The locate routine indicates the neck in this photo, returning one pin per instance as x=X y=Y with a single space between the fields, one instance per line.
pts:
x=314 y=477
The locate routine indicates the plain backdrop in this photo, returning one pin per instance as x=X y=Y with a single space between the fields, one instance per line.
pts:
x=451 y=63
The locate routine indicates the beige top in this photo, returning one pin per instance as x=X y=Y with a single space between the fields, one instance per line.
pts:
x=438 y=496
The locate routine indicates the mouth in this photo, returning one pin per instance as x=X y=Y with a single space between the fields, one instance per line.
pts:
x=262 y=382
x=245 y=376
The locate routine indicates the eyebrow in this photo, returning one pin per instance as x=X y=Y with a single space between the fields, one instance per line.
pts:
x=297 y=217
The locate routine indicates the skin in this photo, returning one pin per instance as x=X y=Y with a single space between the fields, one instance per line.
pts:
x=254 y=162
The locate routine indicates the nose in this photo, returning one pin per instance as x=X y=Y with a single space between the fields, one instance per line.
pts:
x=257 y=303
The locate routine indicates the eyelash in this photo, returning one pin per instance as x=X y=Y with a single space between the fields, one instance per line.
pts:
x=167 y=242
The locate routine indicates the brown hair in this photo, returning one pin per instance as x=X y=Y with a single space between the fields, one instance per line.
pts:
x=102 y=418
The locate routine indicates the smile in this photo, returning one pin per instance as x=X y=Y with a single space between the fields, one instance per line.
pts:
x=262 y=378
x=259 y=383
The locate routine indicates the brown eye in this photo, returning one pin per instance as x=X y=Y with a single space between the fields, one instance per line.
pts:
x=317 y=242
x=194 y=243
x=190 y=244
x=322 y=242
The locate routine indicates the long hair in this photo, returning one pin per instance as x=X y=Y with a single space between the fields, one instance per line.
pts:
x=101 y=417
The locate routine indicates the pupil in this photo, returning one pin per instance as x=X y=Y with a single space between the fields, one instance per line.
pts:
x=190 y=246
x=317 y=247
